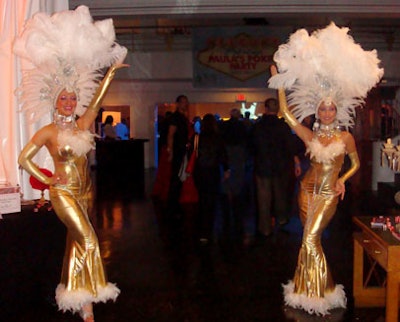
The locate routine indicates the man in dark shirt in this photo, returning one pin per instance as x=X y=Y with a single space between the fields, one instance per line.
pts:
x=177 y=139
x=273 y=147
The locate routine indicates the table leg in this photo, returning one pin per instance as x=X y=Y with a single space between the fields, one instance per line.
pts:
x=392 y=296
x=358 y=270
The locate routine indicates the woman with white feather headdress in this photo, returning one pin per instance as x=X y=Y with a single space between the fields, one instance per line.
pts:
x=66 y=52
x=327 y=75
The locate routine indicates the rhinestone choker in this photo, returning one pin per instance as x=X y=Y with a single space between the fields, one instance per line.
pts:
x=63 y=121
x=326 y=130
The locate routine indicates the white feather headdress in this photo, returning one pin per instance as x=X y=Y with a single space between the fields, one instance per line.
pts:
x=65 y=50
x=326 y=64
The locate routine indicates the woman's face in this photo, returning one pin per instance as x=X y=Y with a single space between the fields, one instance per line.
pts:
x=327 y=113
x=66 y=103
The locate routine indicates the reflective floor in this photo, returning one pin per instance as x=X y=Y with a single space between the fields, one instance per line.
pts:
x=163 y=274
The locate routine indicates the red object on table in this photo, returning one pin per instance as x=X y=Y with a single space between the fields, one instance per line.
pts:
x=36 y=184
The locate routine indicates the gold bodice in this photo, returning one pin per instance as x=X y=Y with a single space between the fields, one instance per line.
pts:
x=321 y=177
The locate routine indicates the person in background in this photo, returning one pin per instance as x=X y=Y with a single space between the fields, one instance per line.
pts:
x=108 y=129
x=247 y=121
x=162 y=130
x=122 y=130
x=128 y=125
x=212 y=160
x=233 y=197
x=66 y=81
x=272 y=145
x=162 y=180
x=98 y=123
x=196 y=124
x=179 y=133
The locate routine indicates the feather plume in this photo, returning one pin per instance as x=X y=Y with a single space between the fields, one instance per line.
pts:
x=67 y=50
x=327 y=63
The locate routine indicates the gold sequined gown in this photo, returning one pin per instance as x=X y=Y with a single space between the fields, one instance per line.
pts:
x=312 y=287
x=83 y=278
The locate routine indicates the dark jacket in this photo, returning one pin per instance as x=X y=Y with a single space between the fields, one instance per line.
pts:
x=272 y=144
x=180 y=137
x=234 y=132
x=211 y=161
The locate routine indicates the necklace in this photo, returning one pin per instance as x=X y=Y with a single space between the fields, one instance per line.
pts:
x=64 y=122
x=327 y=130
x=327 y=127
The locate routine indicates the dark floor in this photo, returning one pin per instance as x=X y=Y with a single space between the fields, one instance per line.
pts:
x=163 y=279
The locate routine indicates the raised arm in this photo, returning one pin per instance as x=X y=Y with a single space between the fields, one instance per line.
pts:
x=86 y=120
x=304 y=133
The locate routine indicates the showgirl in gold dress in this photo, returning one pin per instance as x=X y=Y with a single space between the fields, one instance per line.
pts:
x=312 y=287
x=327 y=75
x=83 y=279
x=68 y=140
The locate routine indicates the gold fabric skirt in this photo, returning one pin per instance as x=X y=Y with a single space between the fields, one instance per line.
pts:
x=83 y=279
x=312 y=287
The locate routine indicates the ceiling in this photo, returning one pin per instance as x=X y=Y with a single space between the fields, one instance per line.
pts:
x=158 y=25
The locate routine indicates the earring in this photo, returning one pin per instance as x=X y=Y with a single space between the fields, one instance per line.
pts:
x=316 y=125
x=337 y=125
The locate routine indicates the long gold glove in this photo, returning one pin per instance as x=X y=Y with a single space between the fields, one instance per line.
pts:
x=25 y=161
x=101 y=91
x=284 y=109
x=355 y=165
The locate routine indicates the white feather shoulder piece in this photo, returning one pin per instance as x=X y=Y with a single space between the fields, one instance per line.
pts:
x=81 y=142
x=325 y=154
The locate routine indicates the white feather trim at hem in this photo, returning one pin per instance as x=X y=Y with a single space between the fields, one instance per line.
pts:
x=74 y=300
x=315 y=305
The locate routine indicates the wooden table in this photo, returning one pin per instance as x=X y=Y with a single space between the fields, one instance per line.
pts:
x=383 y=249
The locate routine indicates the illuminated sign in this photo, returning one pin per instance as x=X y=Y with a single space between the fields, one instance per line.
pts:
x=242 y=57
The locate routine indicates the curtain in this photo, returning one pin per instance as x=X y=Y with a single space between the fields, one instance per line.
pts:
x=14 y=131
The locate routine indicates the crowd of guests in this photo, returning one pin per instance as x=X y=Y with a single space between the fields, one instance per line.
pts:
x=110 y=131
x=246 y=169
